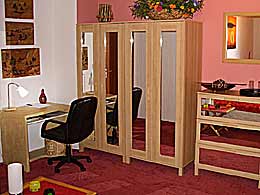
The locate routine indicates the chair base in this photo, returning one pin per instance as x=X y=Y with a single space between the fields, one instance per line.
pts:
x=68 y=158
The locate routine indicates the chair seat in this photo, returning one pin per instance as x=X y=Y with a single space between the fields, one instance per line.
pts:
x=56 y=134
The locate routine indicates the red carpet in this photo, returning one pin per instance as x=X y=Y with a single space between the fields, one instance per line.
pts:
x=107 y=175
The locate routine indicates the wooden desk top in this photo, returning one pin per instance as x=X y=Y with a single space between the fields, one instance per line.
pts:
x=29 y=111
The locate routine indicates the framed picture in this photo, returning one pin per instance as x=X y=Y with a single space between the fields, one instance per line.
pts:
x=232 y=32
x=19 y=33
x=20 y=62
x=22 y=9
x=84 y=59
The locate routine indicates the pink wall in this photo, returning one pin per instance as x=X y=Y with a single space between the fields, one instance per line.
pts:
x=87 y=11
x=212 y=18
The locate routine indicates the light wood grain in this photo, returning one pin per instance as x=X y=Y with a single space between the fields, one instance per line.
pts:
x=14 y=132
x=188 y=75
x=225 y=122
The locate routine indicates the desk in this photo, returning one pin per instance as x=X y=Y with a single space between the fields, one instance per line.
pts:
x=14 y=133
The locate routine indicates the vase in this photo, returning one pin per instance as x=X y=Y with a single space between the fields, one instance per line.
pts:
x=42 y=98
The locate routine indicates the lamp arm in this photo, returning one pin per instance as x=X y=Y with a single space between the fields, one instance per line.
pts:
x=8 y=92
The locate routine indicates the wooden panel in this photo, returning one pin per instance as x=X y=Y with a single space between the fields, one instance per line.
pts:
x=193 y=70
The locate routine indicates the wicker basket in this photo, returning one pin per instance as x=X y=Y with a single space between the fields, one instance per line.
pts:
x=54 y=148
x=165 y=15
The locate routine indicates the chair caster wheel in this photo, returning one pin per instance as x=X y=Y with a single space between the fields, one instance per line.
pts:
x=50 y=162
x=57 y=171
x=89 y=160
x=83 y=169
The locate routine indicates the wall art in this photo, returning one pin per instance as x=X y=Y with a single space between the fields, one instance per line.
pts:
x=84 y=59
x=20 y=62
x=232 y=32
x=19 y=33
x=22 y=9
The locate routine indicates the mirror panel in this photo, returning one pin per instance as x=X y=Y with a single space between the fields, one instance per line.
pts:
x=241 y=38
x=139 y=80
x=111 y=76
x=87 y=62
x=168 y=93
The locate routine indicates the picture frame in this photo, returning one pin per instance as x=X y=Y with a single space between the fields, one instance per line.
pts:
x=84 y=59
x=20 y=62
x=19 y=33
x=21 y=9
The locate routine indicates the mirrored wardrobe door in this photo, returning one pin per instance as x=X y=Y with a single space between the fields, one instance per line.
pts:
x=87 y=62
x=87 y=69
x=111 y=86
x=112 y=79
x=139 y=90
x=138 y=59
x=164 y=95
x=168 y=93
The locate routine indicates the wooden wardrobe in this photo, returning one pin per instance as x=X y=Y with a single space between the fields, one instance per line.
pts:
x=163 y=58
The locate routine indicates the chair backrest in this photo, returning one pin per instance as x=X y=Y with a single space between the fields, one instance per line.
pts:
x=136 y=98
x=81 y=119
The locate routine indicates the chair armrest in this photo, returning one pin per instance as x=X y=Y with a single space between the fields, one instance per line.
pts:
x=44 y=125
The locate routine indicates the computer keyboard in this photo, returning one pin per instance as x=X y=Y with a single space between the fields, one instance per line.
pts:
x=55 y=113
x=50 y=115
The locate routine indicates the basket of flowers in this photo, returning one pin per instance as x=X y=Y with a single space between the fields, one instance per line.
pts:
x=165 y=9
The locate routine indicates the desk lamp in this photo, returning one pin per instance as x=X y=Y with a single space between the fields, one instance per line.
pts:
x=21 y=91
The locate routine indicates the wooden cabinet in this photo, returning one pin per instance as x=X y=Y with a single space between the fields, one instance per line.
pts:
x=227 y=135
x=163 y=58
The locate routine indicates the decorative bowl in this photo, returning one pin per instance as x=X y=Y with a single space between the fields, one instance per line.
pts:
x=213 y=87
x=219 y=85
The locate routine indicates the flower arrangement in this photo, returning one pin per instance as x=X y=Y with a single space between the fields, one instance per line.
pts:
x=165 y=9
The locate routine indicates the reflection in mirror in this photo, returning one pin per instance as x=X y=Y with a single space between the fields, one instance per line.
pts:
x=168 y=93
x=139 y=90
x=242 y=40
x=87 y=62
x=111 y=75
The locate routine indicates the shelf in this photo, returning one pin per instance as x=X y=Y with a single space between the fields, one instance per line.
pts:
x=236 y=124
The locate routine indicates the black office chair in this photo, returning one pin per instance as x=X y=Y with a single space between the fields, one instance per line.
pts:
x=112 y=116
x=78 y=126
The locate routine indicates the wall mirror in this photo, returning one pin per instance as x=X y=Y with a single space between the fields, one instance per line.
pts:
x=241 y=38
x=87 y=62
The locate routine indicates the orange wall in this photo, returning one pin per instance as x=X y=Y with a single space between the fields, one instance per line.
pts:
x=212 y=18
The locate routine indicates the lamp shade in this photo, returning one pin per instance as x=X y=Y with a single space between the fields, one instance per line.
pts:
x=22 y=91
x=15 y=178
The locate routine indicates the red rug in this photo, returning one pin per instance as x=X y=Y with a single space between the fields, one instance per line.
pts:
x=107 y=175
x=59 y=190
